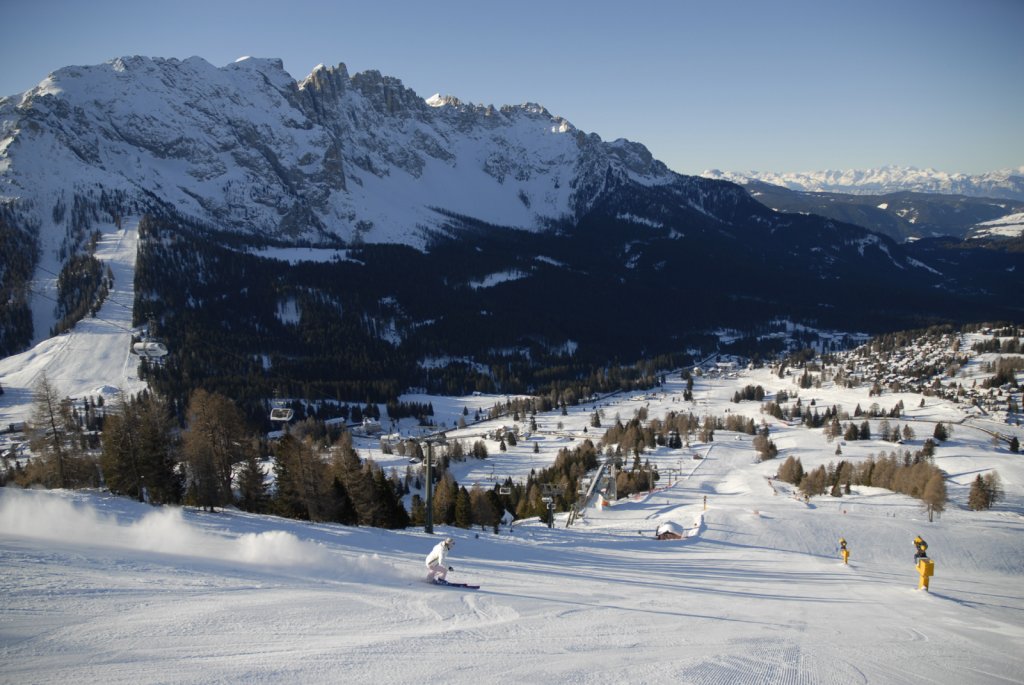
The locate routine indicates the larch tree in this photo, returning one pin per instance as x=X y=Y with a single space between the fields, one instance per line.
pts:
x=302 y=481
x=483 y=510
x=994 y=487
x=56 y=437
x=934 y=495
x=445 y=494
x=214 y=441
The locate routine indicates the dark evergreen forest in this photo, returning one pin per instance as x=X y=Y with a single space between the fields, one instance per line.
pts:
x=604 y=304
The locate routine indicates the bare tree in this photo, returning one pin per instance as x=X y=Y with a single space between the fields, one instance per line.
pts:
x=214 y=441
x=934 y=495
x=58 y=441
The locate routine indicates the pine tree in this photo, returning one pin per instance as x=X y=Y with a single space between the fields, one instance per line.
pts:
x=288 y=500
x=343 y=510
x=463 y=509
x=388 y=512
x=137 y=451
x=814 y=482
x=418 y=515
x=252 y=486
x=940 y=434
x=55 y=436
x=160 y=448
x=977 y=499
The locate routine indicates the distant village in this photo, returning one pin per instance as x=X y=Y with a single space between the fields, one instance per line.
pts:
x=975 y=368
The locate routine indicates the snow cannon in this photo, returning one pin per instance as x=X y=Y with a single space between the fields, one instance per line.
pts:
x=843 y=551
x=926 y=568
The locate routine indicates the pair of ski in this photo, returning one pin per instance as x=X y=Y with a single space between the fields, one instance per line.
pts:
x=445 y=583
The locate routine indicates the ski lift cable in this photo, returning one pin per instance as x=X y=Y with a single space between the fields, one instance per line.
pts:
x=98 y=318
x=110 y=299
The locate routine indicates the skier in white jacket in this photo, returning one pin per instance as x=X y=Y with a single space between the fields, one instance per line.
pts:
x=437 y=561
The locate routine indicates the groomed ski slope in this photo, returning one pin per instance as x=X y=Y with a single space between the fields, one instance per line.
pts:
x=94 y=358
x=101 y=589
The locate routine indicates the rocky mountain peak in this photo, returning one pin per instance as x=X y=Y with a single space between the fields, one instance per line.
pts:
x=327 y=80
x=387 y=93
x=245 y=148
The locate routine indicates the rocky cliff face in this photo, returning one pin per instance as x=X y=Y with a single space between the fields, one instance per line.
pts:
x=246 y=148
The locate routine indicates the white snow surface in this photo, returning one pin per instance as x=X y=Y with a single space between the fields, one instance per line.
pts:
x=1009 y=226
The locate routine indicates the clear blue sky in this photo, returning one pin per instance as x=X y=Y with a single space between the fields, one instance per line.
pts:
x=736 y=85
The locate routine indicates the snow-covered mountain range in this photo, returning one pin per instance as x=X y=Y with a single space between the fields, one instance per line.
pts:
x=246 y=148
x=513 y=215
x=1007 y=183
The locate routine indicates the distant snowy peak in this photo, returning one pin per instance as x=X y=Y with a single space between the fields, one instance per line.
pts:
x=246 y=148
x=1008 y=183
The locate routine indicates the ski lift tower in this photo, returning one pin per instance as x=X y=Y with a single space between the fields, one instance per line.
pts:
x=548 y=493
x=428 y=523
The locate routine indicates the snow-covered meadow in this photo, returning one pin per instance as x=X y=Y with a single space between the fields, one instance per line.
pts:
x=95 y=588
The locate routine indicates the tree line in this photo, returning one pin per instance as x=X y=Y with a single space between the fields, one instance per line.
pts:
x=19 y=254
x=910 y=475
x=137 y=450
